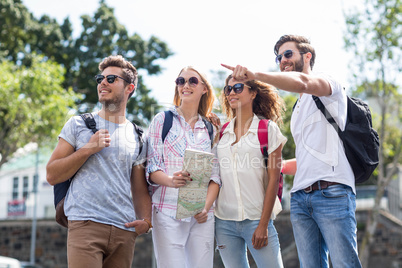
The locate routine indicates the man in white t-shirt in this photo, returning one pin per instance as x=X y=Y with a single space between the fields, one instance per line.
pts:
x=107 y=203
x=323 y=198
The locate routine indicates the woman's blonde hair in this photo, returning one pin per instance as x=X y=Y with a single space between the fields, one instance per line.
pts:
x=207 y=100
x=266 y=104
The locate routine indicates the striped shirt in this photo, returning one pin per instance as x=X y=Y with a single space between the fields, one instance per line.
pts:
x=168 y=157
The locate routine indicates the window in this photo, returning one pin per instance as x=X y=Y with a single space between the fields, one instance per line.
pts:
x=15 y=188
x=25 y=187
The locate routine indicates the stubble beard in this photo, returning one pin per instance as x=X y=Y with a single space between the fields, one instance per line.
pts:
x=114 y=104
x=299 y=65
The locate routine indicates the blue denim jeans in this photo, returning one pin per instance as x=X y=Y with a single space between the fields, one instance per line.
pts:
x=324 y=221
x=233 y=238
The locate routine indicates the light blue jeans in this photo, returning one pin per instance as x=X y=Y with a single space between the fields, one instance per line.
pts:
x=233 y=238
x=324 y=220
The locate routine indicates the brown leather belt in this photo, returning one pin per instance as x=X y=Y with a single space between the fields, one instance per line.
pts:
x=323 y=184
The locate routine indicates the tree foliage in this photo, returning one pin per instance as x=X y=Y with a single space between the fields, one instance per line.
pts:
x=13 y=18
x=373 y=36
x=288 y=151
x=102 y=35
x=45 y=71
x=33 y=104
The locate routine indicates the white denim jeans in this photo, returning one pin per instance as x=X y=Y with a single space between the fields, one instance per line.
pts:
x=182 y=244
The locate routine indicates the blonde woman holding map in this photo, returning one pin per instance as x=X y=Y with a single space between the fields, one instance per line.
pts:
x=186 y=242
x=248 y=202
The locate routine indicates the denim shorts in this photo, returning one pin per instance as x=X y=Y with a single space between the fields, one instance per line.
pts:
x=233 y=238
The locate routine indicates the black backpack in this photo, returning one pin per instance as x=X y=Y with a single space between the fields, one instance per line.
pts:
x=167 y=125
x=60 y=189
x=360 y=140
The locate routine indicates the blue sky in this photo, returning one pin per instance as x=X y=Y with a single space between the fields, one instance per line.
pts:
x=209 y=32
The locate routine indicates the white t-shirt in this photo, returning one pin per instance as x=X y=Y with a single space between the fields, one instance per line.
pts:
x=320 y=153
x=243 y=172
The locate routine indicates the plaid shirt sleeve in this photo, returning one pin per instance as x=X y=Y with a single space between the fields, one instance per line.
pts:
x=155 y=146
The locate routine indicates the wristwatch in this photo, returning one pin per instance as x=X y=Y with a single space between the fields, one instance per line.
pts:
x=149 y=225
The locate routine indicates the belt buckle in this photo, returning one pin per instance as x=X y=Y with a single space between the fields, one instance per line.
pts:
x=308 y=189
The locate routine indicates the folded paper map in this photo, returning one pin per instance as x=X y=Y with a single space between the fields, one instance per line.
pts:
x=192 y=196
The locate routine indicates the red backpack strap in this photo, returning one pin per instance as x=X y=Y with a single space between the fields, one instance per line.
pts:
x=222 y=129
x=263 y=138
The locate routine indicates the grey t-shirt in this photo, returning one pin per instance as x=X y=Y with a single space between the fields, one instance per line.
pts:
x=101 y=189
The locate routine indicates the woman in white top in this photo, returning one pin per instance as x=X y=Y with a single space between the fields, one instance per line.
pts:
x=247 y=202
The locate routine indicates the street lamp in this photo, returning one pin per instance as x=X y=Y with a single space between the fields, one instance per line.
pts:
x=35 y=193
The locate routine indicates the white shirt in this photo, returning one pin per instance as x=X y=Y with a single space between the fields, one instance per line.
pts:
x=319 y=151
x=243 y=173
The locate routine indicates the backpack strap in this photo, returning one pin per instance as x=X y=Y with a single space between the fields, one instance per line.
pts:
x=223 y=129
x=167 y=124
x=91 y=124
x=89 y=121
x=327 y=115
x=210 y=129
x=139 y=131
x=294 y=105
x=263 y=138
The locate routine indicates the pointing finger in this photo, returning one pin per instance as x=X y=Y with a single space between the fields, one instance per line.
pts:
x=228 y=67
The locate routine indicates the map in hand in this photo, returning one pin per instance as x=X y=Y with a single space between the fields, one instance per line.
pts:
x=192 y=196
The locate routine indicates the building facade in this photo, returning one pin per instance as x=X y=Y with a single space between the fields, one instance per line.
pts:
x=23 y=187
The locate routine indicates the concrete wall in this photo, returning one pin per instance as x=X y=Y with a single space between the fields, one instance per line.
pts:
x=51 y=249
x=15 y=241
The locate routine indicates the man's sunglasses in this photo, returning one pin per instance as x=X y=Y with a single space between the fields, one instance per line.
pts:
x=237 y=88
x=287 y=54
x=192 y=81
x=109 y=78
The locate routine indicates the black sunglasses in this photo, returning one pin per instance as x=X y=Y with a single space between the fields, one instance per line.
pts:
x=287 y=54
x=192 y=81
x=237 y=88
x=109 y=78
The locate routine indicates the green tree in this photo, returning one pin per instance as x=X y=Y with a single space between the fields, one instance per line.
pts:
x=21 y=35
x=102 y=35
x=374 y=36
x=289 y=150
x=13 y=18
x=218 y=82
x=33 y=104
